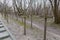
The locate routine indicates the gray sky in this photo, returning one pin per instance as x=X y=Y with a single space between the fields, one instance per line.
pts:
x=9 y=2
x=1 y=0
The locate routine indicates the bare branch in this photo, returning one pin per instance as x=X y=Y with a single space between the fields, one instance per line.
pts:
x=58 y=2
x=51 y=3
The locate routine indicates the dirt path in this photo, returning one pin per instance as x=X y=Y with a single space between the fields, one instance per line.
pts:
x=32 y=34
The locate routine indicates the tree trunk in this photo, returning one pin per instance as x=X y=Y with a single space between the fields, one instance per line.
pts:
x=31 y=20
x=24 y=25
x=57 y=19
x=55 y=11
x=45 y=26
x=56 y=14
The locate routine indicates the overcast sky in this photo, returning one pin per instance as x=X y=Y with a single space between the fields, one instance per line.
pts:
x=10 y=2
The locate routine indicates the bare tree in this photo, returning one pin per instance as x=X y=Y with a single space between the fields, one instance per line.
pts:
x=5 y=10
x=24 y=17
x=30 y=10
x=55 y=6
x=45 y=24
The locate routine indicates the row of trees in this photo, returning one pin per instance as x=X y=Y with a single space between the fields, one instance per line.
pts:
x=32 y=7
x=35 y=9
